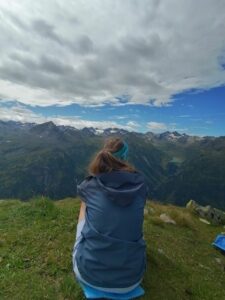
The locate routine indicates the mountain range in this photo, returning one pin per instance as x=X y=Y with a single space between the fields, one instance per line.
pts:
x=49 y=160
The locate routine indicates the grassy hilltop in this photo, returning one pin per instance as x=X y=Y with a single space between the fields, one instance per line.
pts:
x=36 y=240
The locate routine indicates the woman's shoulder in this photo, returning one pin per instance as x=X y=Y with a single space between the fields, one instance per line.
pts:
x=84 y=182
x=135 y=176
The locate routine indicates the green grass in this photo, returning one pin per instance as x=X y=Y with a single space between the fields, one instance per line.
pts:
x=36 y=240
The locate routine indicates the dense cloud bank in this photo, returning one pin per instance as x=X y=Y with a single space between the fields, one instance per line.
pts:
x=96 y=52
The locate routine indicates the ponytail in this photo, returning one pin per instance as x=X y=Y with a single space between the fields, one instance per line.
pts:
x=111 y=158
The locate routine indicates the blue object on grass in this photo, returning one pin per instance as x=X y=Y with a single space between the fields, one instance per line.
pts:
x=219 y=242
x=92 y=293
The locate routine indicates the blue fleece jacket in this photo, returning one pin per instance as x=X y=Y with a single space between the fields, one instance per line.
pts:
x=112 y=251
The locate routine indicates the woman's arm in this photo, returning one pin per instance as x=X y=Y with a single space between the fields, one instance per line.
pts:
x=82 y=211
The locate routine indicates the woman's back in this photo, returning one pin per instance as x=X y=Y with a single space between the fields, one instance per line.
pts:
x=115 y=203
x=112 y=252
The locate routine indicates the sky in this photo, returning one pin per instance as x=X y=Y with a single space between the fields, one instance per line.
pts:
x=146 y=65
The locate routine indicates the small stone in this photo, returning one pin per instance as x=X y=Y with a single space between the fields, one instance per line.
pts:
x=204 y=267
x=26 y=259
x=218 y=260
x=204 y=221
x=191 y=205
x=160 y=251
x=151 y=210
x=167 y=219
x=146 y=211
x=220 y=263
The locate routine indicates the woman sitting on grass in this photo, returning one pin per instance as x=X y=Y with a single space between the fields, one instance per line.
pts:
x=110 y=253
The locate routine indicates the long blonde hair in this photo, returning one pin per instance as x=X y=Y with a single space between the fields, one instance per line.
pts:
x=104 y=161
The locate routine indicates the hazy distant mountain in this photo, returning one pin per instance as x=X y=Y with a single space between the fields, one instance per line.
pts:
x=45 y=159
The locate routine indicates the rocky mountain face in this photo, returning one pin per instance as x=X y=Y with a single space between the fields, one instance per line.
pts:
x=45 y=159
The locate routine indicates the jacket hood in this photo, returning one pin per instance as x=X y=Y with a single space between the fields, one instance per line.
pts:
x=122 y=187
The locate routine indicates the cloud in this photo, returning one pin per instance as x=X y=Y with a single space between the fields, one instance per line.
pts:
x=90 y=53
x=45 y=30
x=25 y=115
x=120 y=117
x=123 y=117
x=134 y=125
x=184 y=116
x=156 y=126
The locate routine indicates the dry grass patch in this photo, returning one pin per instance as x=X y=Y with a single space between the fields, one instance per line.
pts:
x=182 y=218
x=180 y=215
x=155 y=220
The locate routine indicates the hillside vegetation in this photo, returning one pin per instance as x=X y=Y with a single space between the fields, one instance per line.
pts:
x=48 y=160
x=36 y=240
